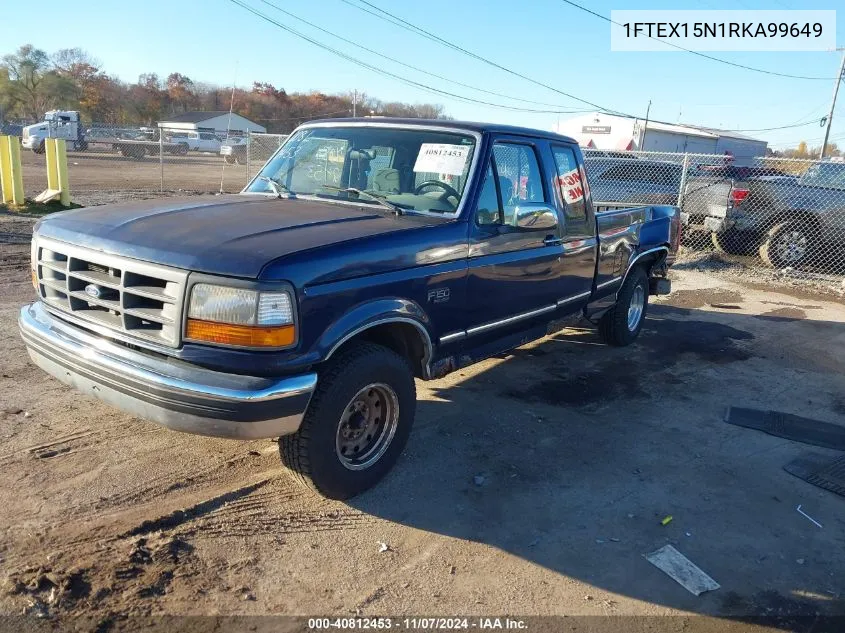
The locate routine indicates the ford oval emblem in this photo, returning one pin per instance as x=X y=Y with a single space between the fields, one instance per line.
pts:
x=92 y=291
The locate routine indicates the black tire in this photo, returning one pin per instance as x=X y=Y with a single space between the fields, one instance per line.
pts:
x=38 y=149
x=230 y=160
x=787 y=244
x=613 y=326
x=312 y=454
x=182 y=150
x=733 y=243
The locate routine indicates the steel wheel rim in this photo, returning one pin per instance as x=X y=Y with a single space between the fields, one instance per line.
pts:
x=635 y=307
x=792 y=246
x=367 y=426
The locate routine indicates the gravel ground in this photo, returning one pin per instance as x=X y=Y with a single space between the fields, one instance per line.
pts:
x=105 y=177
x=533 y=483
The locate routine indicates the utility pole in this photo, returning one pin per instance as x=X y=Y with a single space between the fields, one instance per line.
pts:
x=645 y=127
x=354 y=102
x=833 y=102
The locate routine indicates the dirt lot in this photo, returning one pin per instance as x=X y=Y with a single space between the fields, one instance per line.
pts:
x=533 y=484
x=98 y=177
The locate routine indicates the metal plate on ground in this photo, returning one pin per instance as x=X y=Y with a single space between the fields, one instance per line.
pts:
x=789 y=426
x=820 y=470
x=682 y=570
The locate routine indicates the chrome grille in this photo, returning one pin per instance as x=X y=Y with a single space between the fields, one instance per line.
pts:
x=136 y=298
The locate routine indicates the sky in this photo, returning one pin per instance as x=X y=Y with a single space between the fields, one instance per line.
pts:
x=219 y=42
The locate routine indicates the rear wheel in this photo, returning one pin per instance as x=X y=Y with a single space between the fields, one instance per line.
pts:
x=621 y=324
x=787 y=244
x=357 y=423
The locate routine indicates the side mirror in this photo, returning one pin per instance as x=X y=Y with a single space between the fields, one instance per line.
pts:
x=535 y=218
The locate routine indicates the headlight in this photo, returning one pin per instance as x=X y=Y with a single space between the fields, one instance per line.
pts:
x=239 y=316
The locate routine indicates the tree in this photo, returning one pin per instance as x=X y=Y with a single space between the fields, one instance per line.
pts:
x=27 y=68
x=8 y=94
x=180 y=89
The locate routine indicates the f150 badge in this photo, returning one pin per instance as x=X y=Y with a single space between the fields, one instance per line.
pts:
x=92 y=291
x=438 y=295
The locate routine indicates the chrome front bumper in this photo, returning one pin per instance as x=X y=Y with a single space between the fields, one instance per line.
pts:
x=173 y=393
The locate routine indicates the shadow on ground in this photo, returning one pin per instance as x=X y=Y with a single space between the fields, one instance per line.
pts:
x=570 y=453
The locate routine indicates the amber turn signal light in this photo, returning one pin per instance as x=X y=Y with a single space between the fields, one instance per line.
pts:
x=241 y=335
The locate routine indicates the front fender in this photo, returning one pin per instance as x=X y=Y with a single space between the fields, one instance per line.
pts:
x=370 y=314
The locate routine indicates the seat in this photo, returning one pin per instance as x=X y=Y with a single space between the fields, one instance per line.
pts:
x=386 y=179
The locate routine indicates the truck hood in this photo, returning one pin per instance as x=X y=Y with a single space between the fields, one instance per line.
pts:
x=233 y=235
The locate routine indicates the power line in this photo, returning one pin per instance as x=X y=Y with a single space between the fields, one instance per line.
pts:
x=408 y=26
x=699 y=54
x=380 y=71
x=779 y=127
x=560 y=110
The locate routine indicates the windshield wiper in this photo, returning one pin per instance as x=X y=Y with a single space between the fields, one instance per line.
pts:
x=380 y=199
x=278 y=188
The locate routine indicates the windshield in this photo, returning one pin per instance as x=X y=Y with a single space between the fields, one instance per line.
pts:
x=415 y=169
x=825 y=175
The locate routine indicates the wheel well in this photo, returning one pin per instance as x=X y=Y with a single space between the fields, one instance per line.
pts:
x=648 y=262
x=804 y=218
x=403 y=338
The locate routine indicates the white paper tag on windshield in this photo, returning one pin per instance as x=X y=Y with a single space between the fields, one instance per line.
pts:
x=442 y=158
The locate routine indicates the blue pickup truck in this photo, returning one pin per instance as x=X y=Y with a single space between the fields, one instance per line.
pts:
x=365 y=254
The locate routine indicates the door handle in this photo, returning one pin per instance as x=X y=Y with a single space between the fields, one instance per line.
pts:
x=551 y=240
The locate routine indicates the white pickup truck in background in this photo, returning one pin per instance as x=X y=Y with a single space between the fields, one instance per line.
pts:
x=197 y=141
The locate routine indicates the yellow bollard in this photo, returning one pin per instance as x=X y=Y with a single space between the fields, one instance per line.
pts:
x=61 y=166
x=11 y=178
x=57 y=180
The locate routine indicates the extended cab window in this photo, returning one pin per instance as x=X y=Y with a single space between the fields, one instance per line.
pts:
x=570 y=179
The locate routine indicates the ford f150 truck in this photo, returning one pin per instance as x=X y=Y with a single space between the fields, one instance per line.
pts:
x=364 y=254
x=789 y=220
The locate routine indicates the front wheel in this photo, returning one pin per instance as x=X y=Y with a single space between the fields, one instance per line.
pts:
x=621 y=324
x=357 y=423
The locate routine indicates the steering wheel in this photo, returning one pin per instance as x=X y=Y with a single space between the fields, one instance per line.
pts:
x=448 y=190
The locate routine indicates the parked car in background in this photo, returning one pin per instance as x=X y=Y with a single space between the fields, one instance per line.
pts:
x=364 y=254
x=233 y=150
x=196 y=141
x=787 y=219
x=634 y=180
x=630 y=181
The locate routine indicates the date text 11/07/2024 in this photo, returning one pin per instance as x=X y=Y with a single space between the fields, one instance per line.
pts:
x=668 y=30
x=418 y=623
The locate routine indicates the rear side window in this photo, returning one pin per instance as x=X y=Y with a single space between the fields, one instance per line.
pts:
x=571 y=183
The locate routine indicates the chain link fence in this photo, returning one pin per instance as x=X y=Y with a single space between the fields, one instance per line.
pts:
x=777 y=212
x=774 y=212
x=109 y=163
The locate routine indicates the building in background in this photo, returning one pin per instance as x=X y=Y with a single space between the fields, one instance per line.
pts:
x=612 y=132
x=217 y=122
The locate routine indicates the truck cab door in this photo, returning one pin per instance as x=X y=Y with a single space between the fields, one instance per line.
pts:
x=580 y=243
x=515 y=245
